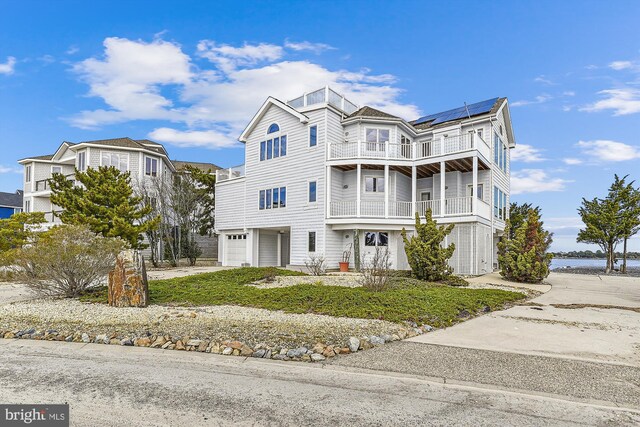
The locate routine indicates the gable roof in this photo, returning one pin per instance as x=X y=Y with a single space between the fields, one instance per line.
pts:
x=12 y=200
x=203 y=166
x=367 y=111
x=263 y=109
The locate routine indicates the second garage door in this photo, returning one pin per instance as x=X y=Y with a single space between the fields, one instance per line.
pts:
x=235 y=249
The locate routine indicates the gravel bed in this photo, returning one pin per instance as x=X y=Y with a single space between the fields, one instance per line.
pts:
x=250 y=325
x=597 y=271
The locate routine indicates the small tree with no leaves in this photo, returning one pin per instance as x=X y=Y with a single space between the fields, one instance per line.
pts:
x=66 y=260
x=428 y=258
x=375 y=271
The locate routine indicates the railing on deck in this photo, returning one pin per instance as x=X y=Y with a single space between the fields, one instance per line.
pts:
x=229 y=173
x=458 y=205
x=401 y=209
x=324 y=95
x=372 y=208
x=343 y=208
x=433 y=205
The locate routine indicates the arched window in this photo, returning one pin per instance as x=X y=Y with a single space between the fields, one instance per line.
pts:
x=273 y=128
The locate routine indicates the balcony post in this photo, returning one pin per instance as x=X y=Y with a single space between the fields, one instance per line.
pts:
x=328 y=192
x=414 y=188
x=443 y=188
x=386 y=189
x=474 y=195
x=358 y=188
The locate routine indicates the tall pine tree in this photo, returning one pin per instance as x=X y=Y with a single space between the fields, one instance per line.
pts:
x=104 y=202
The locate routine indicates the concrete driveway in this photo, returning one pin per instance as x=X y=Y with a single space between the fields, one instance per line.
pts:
x=582 y=317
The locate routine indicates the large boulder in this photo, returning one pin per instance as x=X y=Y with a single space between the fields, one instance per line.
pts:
x=128 y=286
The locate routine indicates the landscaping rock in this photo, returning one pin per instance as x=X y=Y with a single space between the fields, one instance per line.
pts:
x=246 y=351
x=194 y=343
x=376 y=340
x=9 y=335
x=227 y=351
x=128 y=286
x=126 y=342
x=259 y=353
x=142 y=342
x=159 y=342
x=85 y=338
x=354 y=344
x=315 y=357
x=179 y=345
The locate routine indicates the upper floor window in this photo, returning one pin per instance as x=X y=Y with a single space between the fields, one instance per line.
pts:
x=273 y=198
x=499 y=153
x=376 y=138
x=479 y=132
x=56 y=169
x=27 y=174
x=313 y=191
x=313 y=136
x=82 y=161
x=500 y=208
x=374 y=184
x=150 y=166
x=27 y=206
x=119 y=161
x=275 y=146
x=273 y=128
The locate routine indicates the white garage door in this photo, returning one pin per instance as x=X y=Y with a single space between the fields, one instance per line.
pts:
x=235 y=249
x=268 y=249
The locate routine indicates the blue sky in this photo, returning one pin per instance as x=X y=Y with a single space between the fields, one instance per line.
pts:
x=191 y=74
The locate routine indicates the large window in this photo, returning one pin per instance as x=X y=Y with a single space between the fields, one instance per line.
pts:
x=119 y=161
x=374 y=184
x=312 y=241
x=313 y=136
x=313 y=191
x=500 y=208
x=275 y=146
x=376 y=138
x=82 y=161
x=150 y=166
x=273 y=198
x=376 y=238
x=499 y=153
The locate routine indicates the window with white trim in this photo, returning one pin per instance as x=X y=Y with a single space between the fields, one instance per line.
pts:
x=500 y=208
x=119 y=161
x=499 y=152
x=27 y=174
x=376 y=138
x=313 y=135
x=313 y=191
x=272 y=198
x=275 y=146
x=56 y=169
x=27 y=206
x=82 y=161
x=150 y=166
x=374 y=184
x=376 y=238
x=311 y=245
x=479 y=192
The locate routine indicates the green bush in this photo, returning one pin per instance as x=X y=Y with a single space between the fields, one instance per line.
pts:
x=426 y=255
x=454 y=281
x=524 y=257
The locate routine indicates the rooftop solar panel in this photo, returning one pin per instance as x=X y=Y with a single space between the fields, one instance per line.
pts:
x=458 y=113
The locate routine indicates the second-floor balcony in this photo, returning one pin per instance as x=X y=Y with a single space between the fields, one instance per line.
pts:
x=449 y=207
x=230 y=173
x=416 y=150
x=44 y=185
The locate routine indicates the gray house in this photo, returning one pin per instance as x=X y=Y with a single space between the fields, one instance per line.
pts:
x=10 y=203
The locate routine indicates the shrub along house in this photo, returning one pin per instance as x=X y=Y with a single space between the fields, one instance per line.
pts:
x=318 y=168
x=144 y=159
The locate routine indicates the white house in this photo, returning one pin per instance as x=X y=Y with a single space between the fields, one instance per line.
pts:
x=317 y=168
x=143 y=158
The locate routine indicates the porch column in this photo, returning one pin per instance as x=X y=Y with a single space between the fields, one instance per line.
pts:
x=279 y=249
x=328 y=192
x=414 y=188
x=443 y=173
x=386 y=191
x=474 y=199
x=358 y=188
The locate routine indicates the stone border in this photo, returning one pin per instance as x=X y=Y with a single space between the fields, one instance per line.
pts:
x=318 y=353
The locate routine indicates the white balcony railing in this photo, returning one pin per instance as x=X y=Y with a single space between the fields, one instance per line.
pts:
x=229 y=173
x=453 y=206
x=410 y=151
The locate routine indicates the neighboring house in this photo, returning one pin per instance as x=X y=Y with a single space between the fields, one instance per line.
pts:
x=317 y=168
x=143 y=158
x=10 y=203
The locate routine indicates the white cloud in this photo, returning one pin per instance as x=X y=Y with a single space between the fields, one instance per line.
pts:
x=9 y=66
x=564 y=225
x=305 y=45
x=8 y=169
x=572 y=161
x=73 y=49
x=620 y=65
x=158 y=81
x=193 y=138
x=609 y=151
x=540 y=99
x=535 y=181
x=526 y=153
x=622 y=101
x=544 y=80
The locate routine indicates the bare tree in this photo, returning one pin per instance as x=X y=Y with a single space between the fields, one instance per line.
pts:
x=316 y=265
x=375 y=272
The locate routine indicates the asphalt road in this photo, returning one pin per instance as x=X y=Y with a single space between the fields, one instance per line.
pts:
x=115 y=386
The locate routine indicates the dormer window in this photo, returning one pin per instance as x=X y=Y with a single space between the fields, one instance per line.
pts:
x=275 y=146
